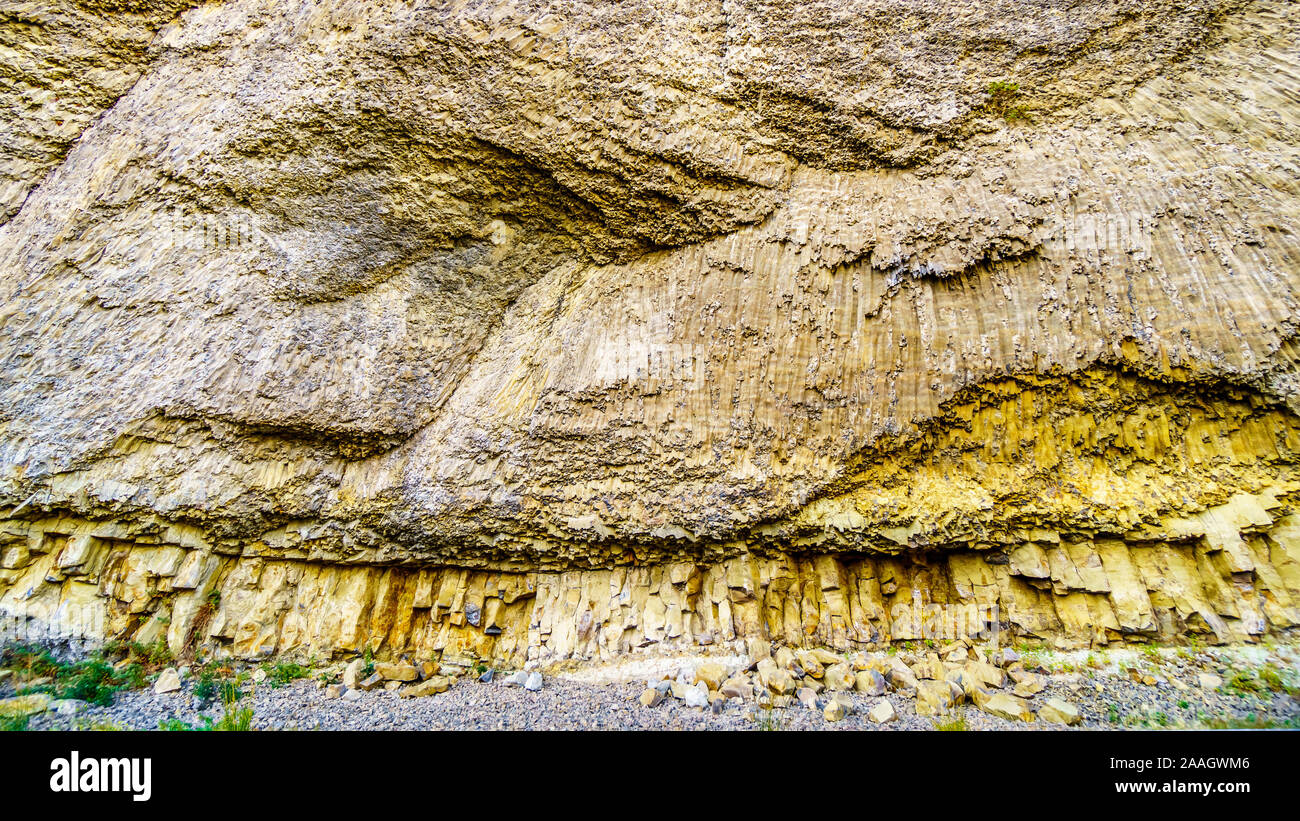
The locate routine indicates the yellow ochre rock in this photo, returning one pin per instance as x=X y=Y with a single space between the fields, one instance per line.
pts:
x=501 y=334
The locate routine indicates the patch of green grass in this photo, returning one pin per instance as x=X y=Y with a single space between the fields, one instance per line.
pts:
x=236 y=719
x=1002 y=101
x=769 y=721
x=1277 y=681
x=175 y=725
x=957 y=724
x=283 y=673
x=13 y=724
x=93 y=679
x=1251 y=722
x=216 y=680
x=368 y=669
x=1244 y=683
x=99 y=725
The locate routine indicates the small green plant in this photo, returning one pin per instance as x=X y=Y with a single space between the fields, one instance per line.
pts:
x=175 y=725
x=92 y=679
x=1251 y=722
x=13 y=724
x=368 y=669
x=99 y=725
x=957 y=724
x=768 y=720
x=283 y=673
x=1112 y=714
x=235 y=719
x=1276 y=681
x=1002 y=101
x=213 y=598
x=1244 y=683
x=215 y=680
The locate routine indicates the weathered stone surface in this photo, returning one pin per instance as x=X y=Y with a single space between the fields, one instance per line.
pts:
x=519 y=340
x=1059 y=711
x=397 y=672
x=837 y=708
x=27 y=705
x=839 y=677
x=882 y=713
x=1004 y=705
x=428 y=687
x=1029 y=684
x=933 y=697
x=651 y=697
x=711 y=674
x=807 y=697
x=870 y=683
x=696 y=695
x=169 y=681
x=737 y=687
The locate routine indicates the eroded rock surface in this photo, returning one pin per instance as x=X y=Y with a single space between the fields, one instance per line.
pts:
x=546 y=331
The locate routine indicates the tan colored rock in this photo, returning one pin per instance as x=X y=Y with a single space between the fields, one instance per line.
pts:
x=929 y=669
x=824 y=656
x=169 y=681
x=810 y=664
x=27 y=705
x=711 y=674
x=352 y=674
x=542 y=299
x=429 y=687
x=837 y=708
x=807 y=697
x=785 y=659
x=902 y=680
x=987 y=674
x=737 y=687
x=400 y=671
x=1058 y=711
x=778 y=680
x=933 y=697
x=1030 y=685
x=650 y=697
x=839 y=677
x=979 y=696
x=870 y=683
x=882 y=713
x=1004 y=705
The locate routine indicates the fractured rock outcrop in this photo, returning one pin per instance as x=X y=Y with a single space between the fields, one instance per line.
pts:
x=558 y=331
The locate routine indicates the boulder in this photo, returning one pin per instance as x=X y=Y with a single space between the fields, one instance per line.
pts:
x=1004 y=705
x=1059 y=711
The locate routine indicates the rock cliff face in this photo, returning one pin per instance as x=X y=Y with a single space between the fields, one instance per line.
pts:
x=558 y=331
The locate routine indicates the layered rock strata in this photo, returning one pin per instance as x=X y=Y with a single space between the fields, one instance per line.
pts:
x=550 y=332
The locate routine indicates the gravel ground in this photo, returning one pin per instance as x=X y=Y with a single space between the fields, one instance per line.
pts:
x=1100 y=684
